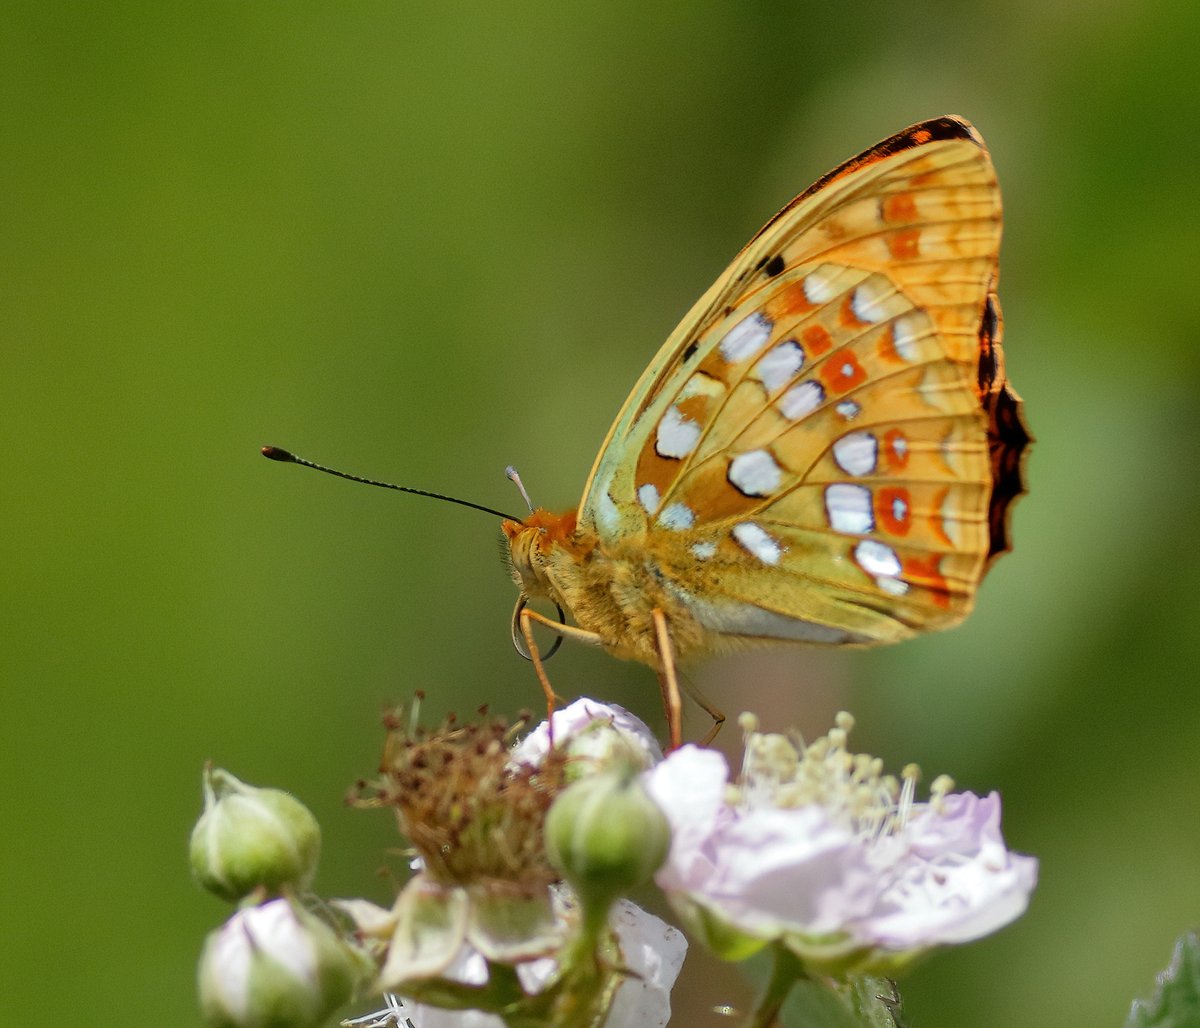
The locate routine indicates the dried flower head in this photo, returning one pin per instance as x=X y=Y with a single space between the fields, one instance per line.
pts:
x=475 y=820
x=474 y=817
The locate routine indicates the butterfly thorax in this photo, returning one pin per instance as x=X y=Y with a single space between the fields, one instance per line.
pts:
x=612 y=593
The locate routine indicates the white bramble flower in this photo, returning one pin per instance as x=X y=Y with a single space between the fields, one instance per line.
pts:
x=811 y=847
x=815 y=847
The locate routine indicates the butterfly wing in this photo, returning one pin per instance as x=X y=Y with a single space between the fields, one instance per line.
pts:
x=825 y=449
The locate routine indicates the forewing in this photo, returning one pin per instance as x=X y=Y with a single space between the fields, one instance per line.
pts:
x=812 y=453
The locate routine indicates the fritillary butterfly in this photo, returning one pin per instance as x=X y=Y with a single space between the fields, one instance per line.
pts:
x=826 y=448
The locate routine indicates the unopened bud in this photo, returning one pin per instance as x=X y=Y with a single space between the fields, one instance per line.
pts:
x=276 y=965
x=250 y=838
x=606 y=836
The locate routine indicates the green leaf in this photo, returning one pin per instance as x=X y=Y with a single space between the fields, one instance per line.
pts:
x=814 y=1004
x=876 y=1001
x=862 y=1002
x=1176 y=999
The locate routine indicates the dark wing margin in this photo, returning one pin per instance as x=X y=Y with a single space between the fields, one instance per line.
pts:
x=1008 y=436
x=945 y=127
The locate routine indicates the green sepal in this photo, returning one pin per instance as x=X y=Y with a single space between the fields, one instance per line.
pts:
x=431 y=925
x=508 y=929
x=714 y=932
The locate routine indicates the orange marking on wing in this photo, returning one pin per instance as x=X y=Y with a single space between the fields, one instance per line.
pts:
x=924 y=571
x=846 y=316
x=654 y=470
x=834 y=230
x=842 y=373
x=817 y=340
x=887 y=347
x=714 y=365
x=710 y=494
x=885 y=509
x=789 y=301
x=895 y=449
x=939 y=524
x=695 y=408
x=905 y=245
x=921 y=136
x=900 y=207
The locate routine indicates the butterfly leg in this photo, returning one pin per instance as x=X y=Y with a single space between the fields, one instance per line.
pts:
x=527 y=617
x=668 y=681
x=713 y=711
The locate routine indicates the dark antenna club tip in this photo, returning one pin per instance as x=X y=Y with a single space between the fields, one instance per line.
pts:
x=287 y=457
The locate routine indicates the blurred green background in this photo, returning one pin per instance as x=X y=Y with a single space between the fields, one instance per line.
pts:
x=422 y=241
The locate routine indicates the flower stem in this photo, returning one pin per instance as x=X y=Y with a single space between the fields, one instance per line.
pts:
x=785 y=972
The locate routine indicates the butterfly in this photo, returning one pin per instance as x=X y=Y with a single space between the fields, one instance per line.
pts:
x=826 y=449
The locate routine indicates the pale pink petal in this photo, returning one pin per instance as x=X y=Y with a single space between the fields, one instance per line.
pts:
x=571 y=720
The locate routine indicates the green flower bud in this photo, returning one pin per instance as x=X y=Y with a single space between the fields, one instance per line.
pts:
x=249 y=838
x=606 y=836
x=276 y=965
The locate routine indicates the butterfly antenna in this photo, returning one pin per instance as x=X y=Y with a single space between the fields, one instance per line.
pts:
x=515 y=477
x=287 y=457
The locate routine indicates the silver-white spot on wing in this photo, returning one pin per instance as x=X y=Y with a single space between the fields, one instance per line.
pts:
x=755 y=473
x=856 y=453
x=608 y=516
x=880 y=562
x=876 y=558
x=801 y=400
x=677 y=516
x=848 y=410
x=746 y=338
x=780 y=364
x=677 y=435
x=755 y=541
x=848 y=507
